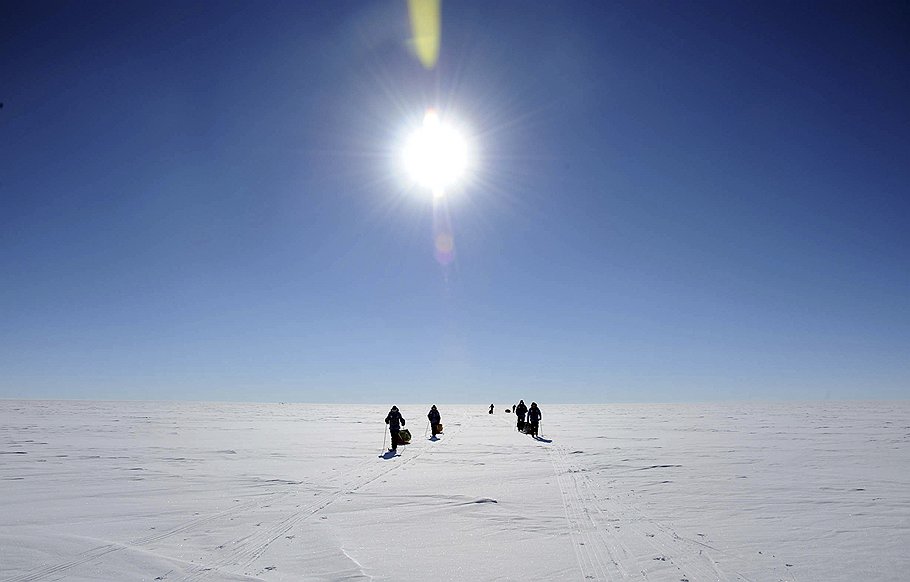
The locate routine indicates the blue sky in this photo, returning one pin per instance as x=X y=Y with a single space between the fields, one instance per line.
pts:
x=673 y=202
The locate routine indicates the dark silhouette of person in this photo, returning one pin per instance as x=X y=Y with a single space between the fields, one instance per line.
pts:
x=434 y=420
x=534 y=418
x=520 y=411
x=491 y=409
x=395 y=422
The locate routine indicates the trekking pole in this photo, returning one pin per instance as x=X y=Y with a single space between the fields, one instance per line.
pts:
x=427 y=429
x=385 y=433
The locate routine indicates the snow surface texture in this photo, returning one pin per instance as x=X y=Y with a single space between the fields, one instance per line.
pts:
x=212 y=491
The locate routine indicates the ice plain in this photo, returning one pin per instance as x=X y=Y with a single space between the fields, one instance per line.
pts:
x=802 y=492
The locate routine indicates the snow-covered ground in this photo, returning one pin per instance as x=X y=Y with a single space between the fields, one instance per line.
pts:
x=212 y=491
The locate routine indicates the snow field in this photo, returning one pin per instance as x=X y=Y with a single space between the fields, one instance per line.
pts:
x=218 y=491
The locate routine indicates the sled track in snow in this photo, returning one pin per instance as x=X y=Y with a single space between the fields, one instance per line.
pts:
x=618 y=542
x=246 y=550
x=101 y=551
x=693 y=559
x=634 y=549
x=600 y=556
x=243 y=551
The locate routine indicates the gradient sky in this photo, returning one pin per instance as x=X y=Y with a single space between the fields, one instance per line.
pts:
x=674 y=202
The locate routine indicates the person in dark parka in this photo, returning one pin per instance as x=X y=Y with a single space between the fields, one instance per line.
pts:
x=395 y=422
x=520 y=411
x=534 y=418
x=434 y=420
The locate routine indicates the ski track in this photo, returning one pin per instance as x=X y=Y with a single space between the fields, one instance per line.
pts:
x=604 y=550
x=692 y=557
x=592 y=521
x=246 y=550
x=602 y=518
x=101 y=551
x=597 y=559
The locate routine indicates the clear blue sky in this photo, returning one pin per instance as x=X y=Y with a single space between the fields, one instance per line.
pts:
x=674 y=201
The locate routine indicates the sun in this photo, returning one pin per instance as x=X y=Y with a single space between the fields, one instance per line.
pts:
x=436 y=155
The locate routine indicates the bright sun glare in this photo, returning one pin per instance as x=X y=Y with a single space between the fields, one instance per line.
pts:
x=436 y=155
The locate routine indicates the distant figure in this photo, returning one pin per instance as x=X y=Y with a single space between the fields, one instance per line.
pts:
x=434 y=420
x=395 y=422
x=491 y=409
x=520 y=411
x=534 y=418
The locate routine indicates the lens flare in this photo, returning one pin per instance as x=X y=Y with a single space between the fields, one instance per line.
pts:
x=443 y=240
x=425 y=29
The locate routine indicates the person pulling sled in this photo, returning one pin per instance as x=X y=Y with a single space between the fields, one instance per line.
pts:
x=520 y=410
x=395 y=422
x=534 y=418
x=433 y=417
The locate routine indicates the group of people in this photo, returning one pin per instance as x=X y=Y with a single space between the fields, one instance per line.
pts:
x=396 y=421
x=533 y=417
